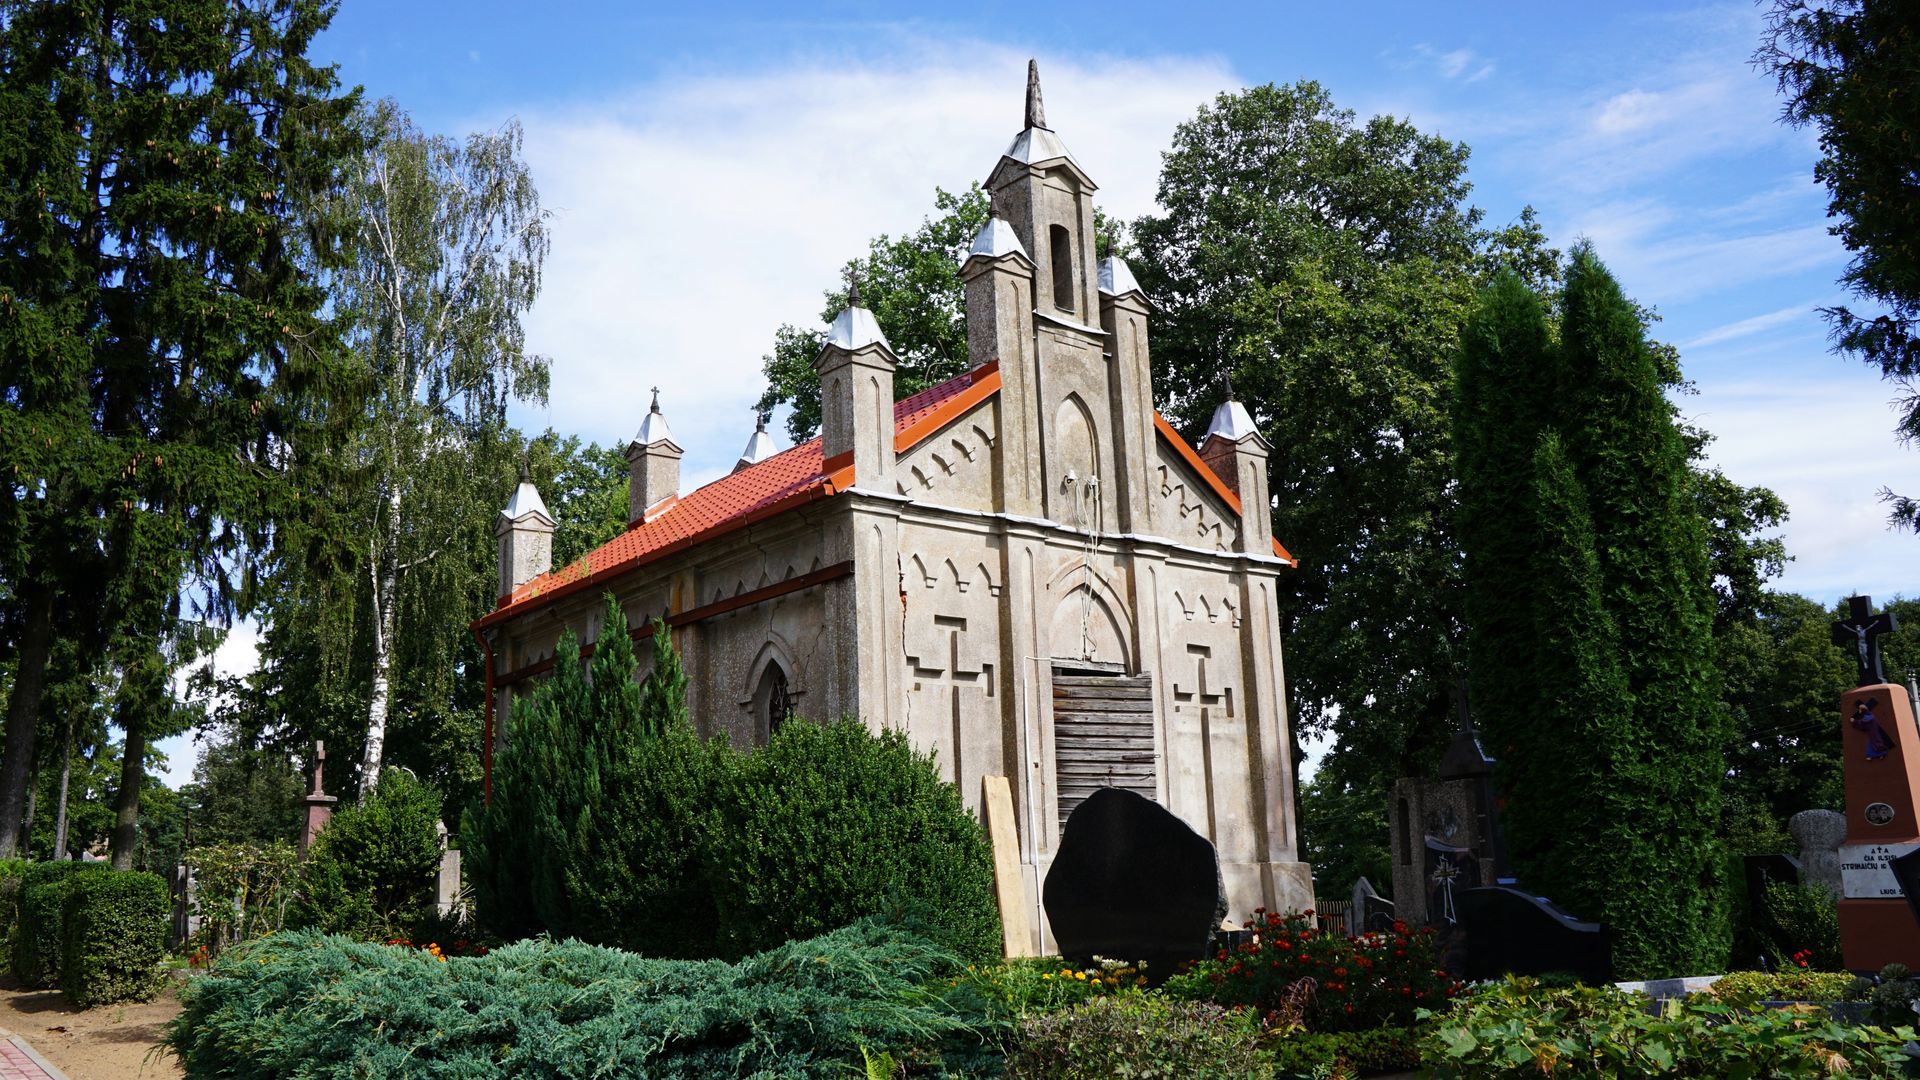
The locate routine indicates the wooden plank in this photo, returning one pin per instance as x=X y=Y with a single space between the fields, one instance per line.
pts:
x=1107 y=745
x=1102 y=680
x=1102 y=693
x=1125 y=705
x=1016 y=934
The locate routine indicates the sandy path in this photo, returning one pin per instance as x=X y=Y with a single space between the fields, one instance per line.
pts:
x=112 y=1042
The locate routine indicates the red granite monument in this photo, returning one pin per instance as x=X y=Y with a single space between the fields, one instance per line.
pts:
x=1882 y=768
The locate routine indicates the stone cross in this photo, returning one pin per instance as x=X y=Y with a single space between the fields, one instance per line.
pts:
x=1861 y=632
x=953 y=677
x=1198 y=695
x=319 y=765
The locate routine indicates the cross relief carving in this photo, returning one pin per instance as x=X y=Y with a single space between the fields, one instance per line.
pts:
x=1199 y=693
x=945 y=670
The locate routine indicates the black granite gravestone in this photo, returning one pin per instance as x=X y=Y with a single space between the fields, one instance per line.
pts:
x=1133 y=882
x=1906 y=871
x=1510 y=932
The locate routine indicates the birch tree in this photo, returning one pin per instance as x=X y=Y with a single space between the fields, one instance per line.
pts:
x=452 y=238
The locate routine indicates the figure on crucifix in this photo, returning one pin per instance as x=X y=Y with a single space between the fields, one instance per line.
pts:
x=1860 y=632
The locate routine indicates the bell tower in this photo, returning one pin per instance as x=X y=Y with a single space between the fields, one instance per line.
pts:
x=1042 y=192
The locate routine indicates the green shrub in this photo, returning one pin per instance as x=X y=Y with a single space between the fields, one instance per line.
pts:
x=1330 y=1053
x=371 y=873
x=1799 y=926
x=300 y=1004
x=1140 y=1035
x=1022 y=986
x=37 y=946
x=114 y=936
x=1515 y=1030
x=13 y=874
x=1374 y=980
x=240 y=890
x=831 y=822
x=1745 y=989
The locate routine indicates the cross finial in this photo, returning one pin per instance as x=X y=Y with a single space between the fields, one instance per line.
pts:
x=853 y=287
x=1226 y=383
x=759 y=418
x=1860 y=633
x=526 y=473
x=1036 y=112
x=656 y=399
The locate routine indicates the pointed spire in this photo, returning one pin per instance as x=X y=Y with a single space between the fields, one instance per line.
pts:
x=1036 y=111
x=1231 y=421
x=855 y=327
x=526 y=470
x=653 y=427
x=759 y=444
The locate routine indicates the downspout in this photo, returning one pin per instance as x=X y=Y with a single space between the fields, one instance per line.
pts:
x=486 y=748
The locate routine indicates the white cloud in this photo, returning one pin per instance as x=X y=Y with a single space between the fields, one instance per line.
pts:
x=1733 y=331
x=1826 y=446
x=699 y=214
x=1463 y=64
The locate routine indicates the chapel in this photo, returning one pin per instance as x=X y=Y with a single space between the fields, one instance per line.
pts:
x=1026 y=567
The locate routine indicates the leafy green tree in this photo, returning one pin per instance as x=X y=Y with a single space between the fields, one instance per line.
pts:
x=1327 y=265
x=452 y=240
x=157 y=307
x=244 y=794
x=1848 y=67
x=371 y=872
x=1344 y=823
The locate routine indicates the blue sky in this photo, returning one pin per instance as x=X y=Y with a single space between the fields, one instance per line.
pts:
x=712 y=165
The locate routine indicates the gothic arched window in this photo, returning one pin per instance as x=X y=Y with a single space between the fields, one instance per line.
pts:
x=775 y=698
x=1060 y=246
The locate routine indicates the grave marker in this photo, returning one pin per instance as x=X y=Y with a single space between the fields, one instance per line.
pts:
x=1882 y=768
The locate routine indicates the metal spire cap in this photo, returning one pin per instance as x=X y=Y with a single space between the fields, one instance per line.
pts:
x=1116 y=278
x=653 y=428
x=526 y=501
x=1232 y=422
x=759 y=445
x=995 y=239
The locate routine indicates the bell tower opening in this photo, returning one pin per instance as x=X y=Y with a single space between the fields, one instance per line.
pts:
x=1060 y=247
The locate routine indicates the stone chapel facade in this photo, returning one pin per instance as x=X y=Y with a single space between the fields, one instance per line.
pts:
x=1025 y=567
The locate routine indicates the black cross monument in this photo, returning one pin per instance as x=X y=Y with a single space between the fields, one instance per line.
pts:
x=1860 y=632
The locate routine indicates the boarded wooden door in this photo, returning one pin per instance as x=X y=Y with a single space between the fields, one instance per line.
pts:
x=1102 y=735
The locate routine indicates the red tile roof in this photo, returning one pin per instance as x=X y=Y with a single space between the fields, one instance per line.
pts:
x=782 y=482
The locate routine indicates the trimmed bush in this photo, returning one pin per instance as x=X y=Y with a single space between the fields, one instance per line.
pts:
x=1138 y=1035
x=1799 y=926
x=39 y=943
x=1745 y=989
x=300 y=1004
x=1347 y=1053
x=831 y=822
x=114 y=936
x=371 y=873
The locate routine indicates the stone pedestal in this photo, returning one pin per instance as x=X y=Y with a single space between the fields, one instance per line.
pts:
x=1883 y=822
x=319 y=812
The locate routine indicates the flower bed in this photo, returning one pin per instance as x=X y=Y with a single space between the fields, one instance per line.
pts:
x=1376 y=980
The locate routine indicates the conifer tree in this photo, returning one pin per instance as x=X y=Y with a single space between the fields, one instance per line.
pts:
x=1628 y=454
x=158 y=314
x=1591 y=617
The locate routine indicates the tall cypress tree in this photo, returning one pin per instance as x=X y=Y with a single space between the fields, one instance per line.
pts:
x=1626 y=450
x=1590 y=617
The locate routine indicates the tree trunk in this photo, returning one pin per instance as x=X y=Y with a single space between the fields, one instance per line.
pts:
x=133 y=774
x=386 y=576
x=60 y=811
x=26 y=823
x=23 y=714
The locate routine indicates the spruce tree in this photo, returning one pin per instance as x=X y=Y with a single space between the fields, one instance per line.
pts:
x=1626 y=450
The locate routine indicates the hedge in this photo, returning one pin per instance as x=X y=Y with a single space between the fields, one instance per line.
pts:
x=114 y=937
x=1140 y=1035
x=300 y=1003
x=37 y=946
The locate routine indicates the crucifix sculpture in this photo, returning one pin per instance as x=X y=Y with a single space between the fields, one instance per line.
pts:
x=1860 y=632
